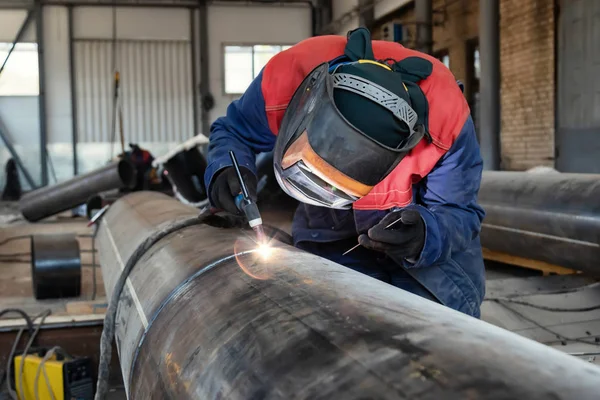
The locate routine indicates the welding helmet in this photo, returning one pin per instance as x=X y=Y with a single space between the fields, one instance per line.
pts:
x=334 y=145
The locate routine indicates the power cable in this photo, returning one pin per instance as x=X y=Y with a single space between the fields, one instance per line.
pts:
x=13 y=350
x=43 y=316
x=40 y=368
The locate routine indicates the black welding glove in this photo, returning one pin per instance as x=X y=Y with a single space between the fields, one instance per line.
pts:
x=403 y=240
x=226 y=187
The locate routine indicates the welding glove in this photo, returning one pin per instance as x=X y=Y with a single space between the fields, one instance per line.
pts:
x=402 y=240
x=226 y=187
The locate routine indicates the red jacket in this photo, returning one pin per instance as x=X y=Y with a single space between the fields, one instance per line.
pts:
x=447 y=105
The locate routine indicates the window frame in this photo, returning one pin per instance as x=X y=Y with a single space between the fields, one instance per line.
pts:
x=224 y=45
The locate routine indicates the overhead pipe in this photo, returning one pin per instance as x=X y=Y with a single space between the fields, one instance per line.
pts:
x=204 y=315
x=551 y=217
x=50 y=200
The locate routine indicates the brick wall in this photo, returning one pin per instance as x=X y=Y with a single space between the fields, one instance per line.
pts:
x=526 y=69
x=527 y=83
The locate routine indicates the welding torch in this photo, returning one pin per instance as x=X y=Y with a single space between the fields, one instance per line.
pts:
x=245 y=204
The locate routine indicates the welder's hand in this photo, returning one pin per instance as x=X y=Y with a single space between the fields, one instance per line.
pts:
x=226 y=187
x=405 y=239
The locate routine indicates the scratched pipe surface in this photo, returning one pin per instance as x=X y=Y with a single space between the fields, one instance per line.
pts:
x=197 y=322
x=552 y=217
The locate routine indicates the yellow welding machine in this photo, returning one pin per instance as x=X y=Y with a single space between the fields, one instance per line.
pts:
x=68 y=379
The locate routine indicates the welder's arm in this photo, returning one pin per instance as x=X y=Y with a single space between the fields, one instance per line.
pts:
x=244 y=130
x=449 y=193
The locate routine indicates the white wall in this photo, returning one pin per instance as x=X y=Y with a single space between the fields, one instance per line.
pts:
x=133 y=23
x=11 y=21
x=249 y=25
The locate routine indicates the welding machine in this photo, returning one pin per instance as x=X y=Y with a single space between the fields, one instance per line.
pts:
x=68 y=378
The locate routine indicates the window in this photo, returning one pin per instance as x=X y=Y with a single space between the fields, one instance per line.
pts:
x=244 y=63
x=20 y=75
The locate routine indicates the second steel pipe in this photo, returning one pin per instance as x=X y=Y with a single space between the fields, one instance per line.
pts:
x=50 y=200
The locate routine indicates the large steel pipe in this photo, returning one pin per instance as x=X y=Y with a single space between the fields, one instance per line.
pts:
x=552 y=217
x=50 y=200
x=204 y=316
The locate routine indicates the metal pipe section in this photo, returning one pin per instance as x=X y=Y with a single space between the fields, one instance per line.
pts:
x=551 y=217
x=55 y=266
x=47 y=201
x=489 y=49
x=207 y=315
x=424 y=17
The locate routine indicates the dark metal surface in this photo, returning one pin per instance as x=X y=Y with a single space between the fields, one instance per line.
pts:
x=489 y=93
x=44 y=202
x=55 y=266
x=204 y=316
x=551 y=217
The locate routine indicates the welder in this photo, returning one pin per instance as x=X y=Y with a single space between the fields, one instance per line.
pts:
x=377 y=143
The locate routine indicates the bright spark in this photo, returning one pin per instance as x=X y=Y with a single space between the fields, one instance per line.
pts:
x=264 y=250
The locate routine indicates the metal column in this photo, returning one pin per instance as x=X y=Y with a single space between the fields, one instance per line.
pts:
x=489 y=48
x=74 y=125
x=39 y=10
x=193 y=45
x=423 y=15
x=204 y=71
